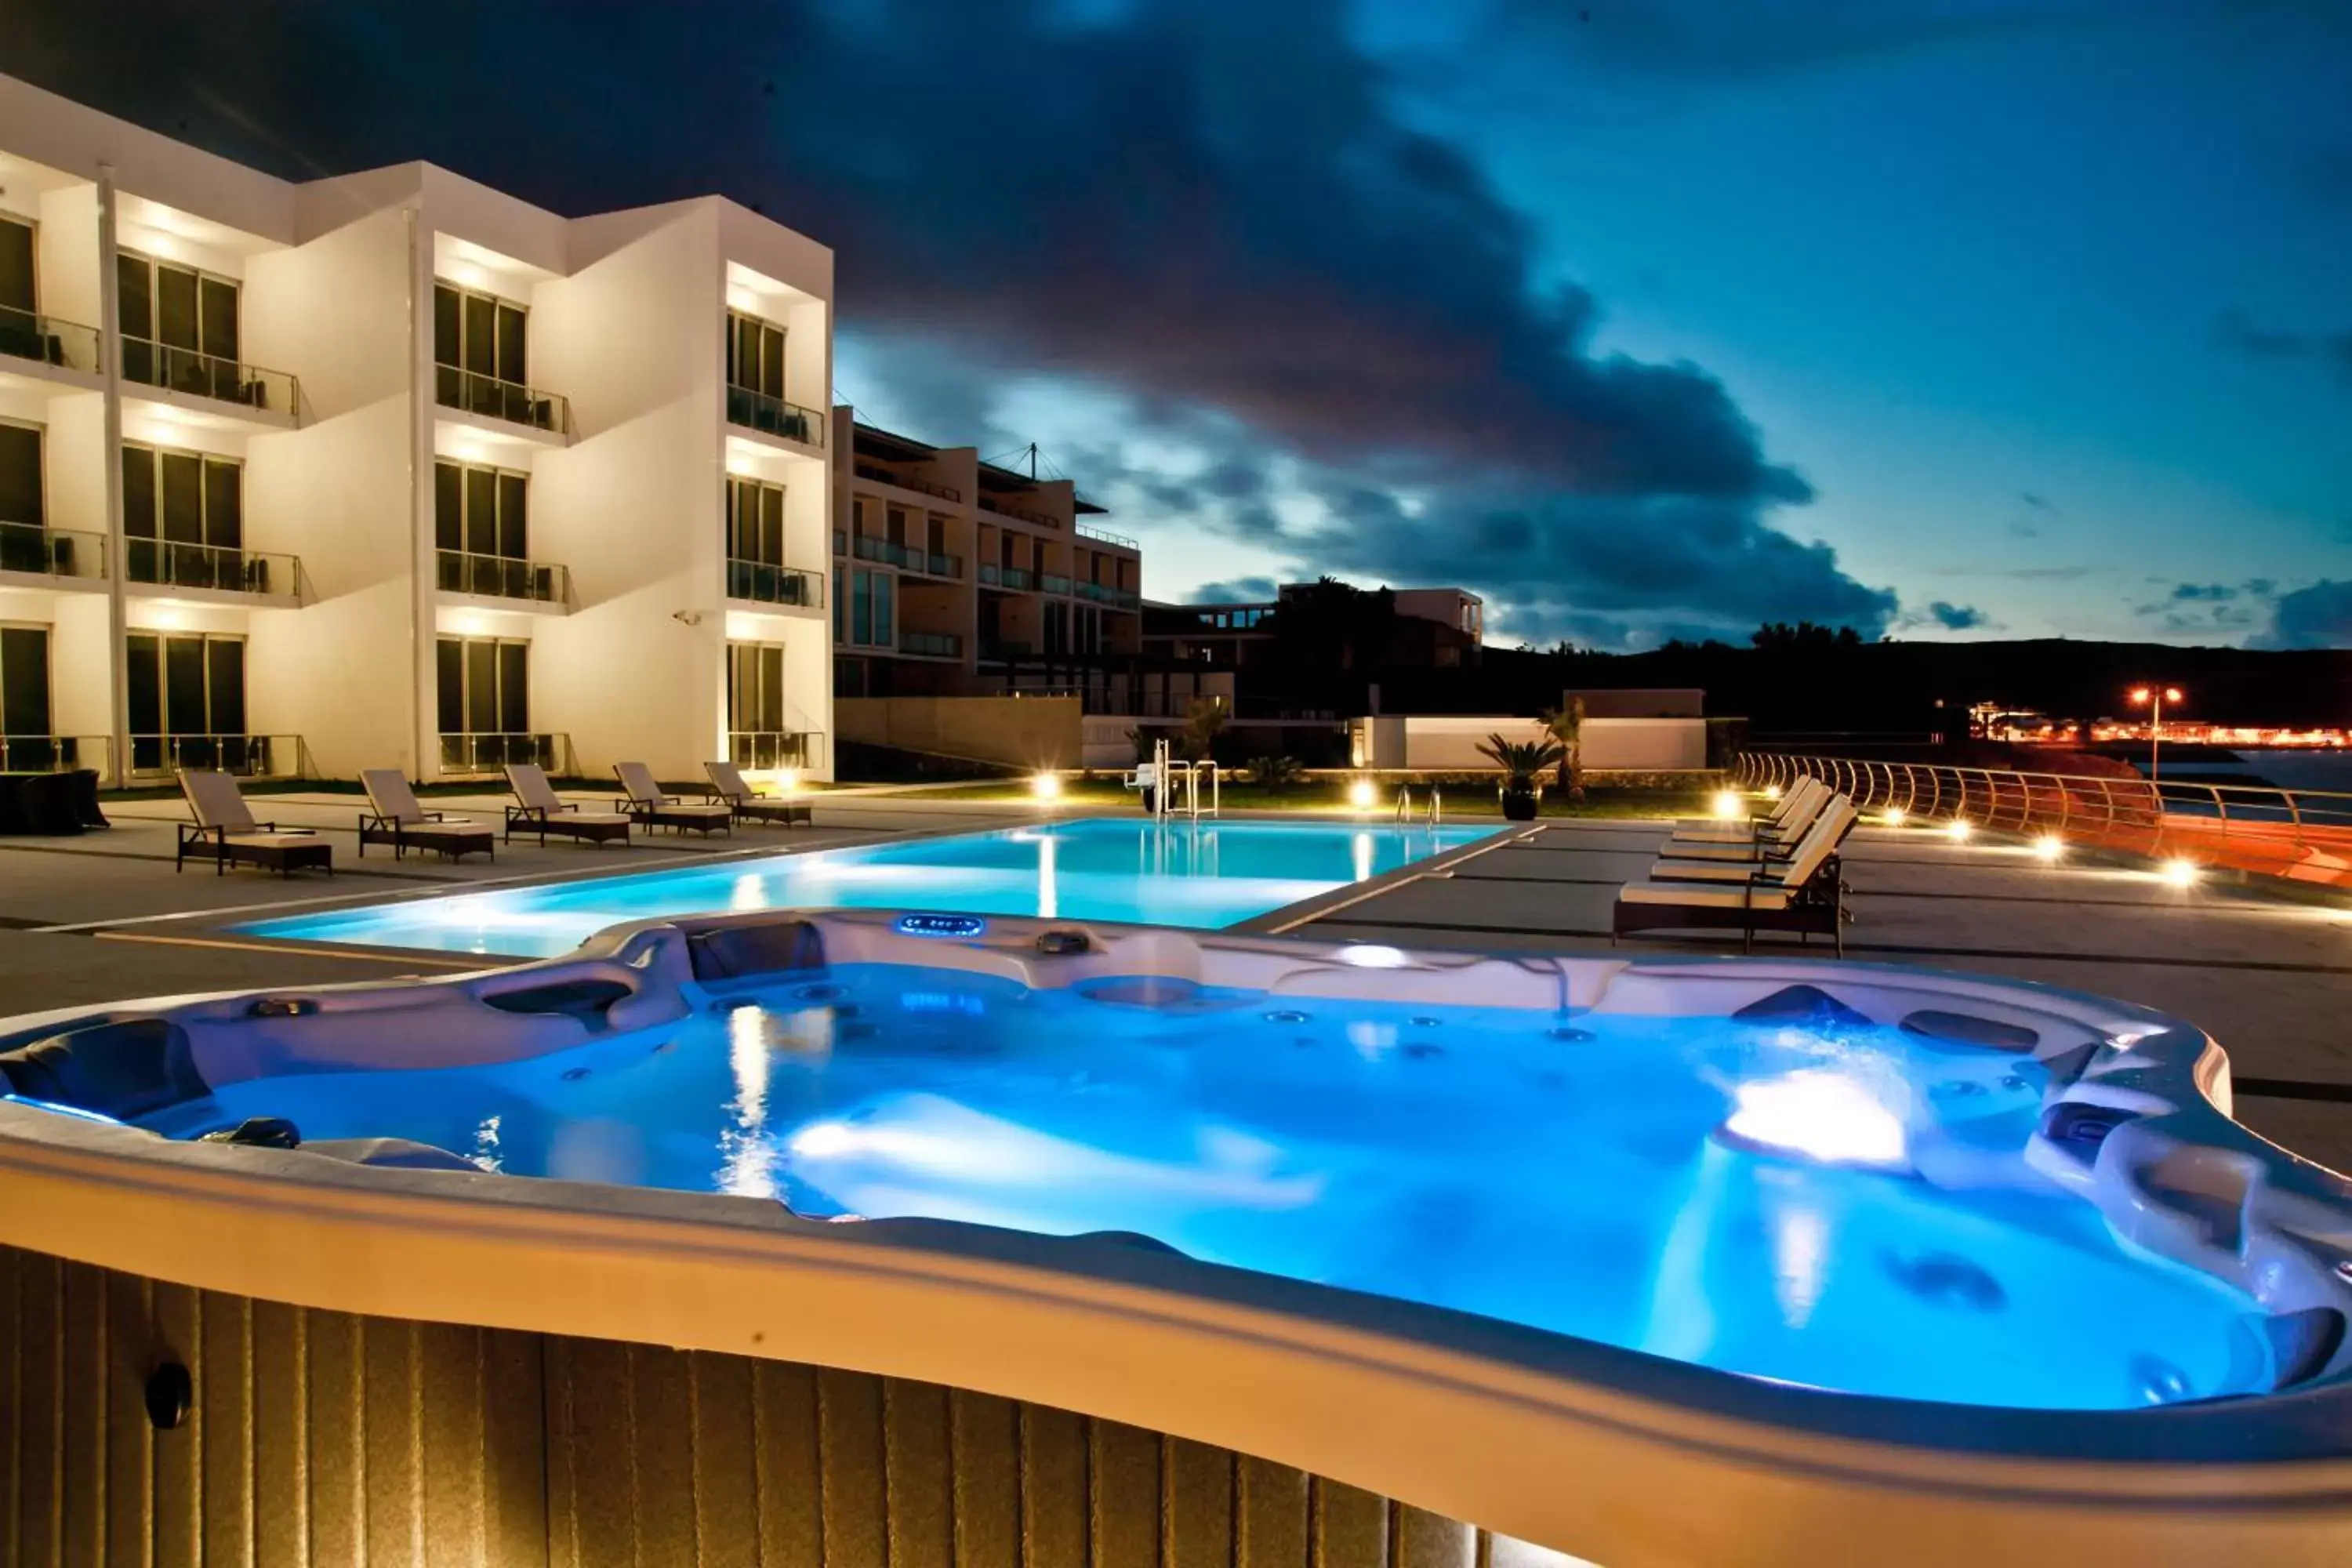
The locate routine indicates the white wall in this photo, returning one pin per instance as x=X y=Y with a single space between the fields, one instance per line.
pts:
x=1445 y=743
x=347 y=673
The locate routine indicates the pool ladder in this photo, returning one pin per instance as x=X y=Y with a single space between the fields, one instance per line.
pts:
x=1404 y=805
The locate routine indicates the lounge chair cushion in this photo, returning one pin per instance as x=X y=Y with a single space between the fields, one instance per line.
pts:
x=1704 y=895
x=1705 y=871
x=267 y=840
x=1744 y=854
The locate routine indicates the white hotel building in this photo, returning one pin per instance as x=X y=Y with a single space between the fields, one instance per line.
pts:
x=392 y=469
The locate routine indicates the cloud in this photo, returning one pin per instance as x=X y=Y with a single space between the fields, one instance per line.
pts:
x=1957 y=617
x=1236 y=590
x=2240 y=335
x=2225 y=608
x=2037 y=501
x=1209 y=208
x=2318 y=615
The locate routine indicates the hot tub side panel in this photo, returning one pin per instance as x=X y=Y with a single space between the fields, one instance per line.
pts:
x=315 y=1438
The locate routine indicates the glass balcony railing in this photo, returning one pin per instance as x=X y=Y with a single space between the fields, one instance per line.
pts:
x=67 y=344
x=485 y=752
x=171 y=563
x=51 y=552
x=765 y=585
x=1104 y=594
x=1016 y=577
x=199 y=374
x=775 y=748
x=1053 y=583
x=501 y=577
x=473 y=392
x=51 y=753
x=247 y=756
x=774 y=416
x=991 y=576
x=874 y=547
x=939 y=565
x=840 y=542
x=931 y=645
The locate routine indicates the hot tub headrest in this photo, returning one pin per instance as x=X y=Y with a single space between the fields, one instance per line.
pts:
x=734 y=951
x=125 y=1067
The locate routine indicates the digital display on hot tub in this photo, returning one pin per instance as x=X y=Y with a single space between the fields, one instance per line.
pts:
x=939 y=925
x=1827 y=1203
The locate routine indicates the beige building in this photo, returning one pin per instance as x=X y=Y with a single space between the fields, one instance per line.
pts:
x=956 y=577
x=393 y=469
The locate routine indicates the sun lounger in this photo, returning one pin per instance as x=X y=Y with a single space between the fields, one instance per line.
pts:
x=1772 y=844
x=729 y=787
x=224 y=830
x=539 y=810
x=1786 y=822
x=1835 y=824
x=1806 y=895
x=649 y=806
x=396 y=817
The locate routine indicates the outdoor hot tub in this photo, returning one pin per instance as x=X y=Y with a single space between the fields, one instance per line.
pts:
x=1640 y=1260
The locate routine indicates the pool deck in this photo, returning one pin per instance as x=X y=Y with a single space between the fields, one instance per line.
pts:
x=103 y=918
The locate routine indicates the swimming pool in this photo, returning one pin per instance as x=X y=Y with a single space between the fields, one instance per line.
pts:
x=1206 y=874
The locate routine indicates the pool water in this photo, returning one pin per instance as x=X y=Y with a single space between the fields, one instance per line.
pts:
x=1206 y=874
x=1742 y=1195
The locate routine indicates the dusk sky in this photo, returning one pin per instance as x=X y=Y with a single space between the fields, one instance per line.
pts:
x=1641 y=318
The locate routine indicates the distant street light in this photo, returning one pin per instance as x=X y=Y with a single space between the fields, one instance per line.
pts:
x=2154 y=698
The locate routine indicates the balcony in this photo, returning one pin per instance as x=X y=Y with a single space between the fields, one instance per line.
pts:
x=937 y=565
x=1002 y=510
x=221 y=568
x=1105 y=536
x=873 y=547
x=247 y=756
x=471 y=391
x=931 y=645
x=1053 y=583
x=51 y=552
x=774 y=416
x=52 y=753
x=69 y=345
x=882 y=476
x=483 y=752
x=765 y=585
x=775 y=748
x=501 y=577
x=199 y=374
x=1104 y=594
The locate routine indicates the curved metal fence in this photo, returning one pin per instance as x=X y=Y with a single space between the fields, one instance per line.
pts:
x=2303 y=834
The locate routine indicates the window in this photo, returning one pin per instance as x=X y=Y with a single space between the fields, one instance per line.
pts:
x=481 y=510
x=184 y=519
x=16 y=298
x=755 y=355
x=478 y=332
x=484 y=686
x=179 y=327
x=23 y=683
x=869 y=609
x=187 y=703
x=755 y=687
x=20 y=473
x=755 y=521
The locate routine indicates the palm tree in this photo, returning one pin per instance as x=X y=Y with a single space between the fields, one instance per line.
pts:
x=1203 y=722
x=1521 y=761
x=1565 y=725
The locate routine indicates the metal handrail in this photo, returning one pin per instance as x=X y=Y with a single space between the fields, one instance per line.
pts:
x=502 y=577
x=224 y=568
x=1105 y=536
x=51 y=552
x=247 y=756
x=774 y=416
x=69 y=345
x=2251 y=828
x=882 y=476
x=763 y=583
x=485 y=752
x=473 y=392
x=53 y=753
x=200 y=375
x=775 y=748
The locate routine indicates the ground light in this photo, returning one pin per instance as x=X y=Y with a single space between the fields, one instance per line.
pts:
x=1046 y=786
x=2180 y=873
x=787 y=780
x=1361 y=795
x=1772 y=792
x=1727 y=803
x=1893 y=815
x=2049 y=847
x=1959 y=830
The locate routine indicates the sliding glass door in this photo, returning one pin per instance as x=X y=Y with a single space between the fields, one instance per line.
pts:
x=187 y=704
